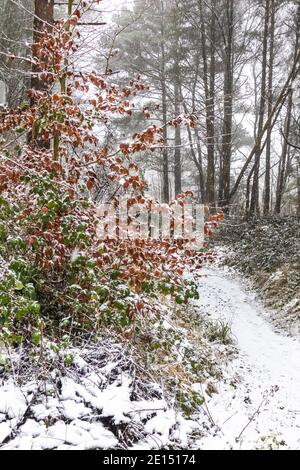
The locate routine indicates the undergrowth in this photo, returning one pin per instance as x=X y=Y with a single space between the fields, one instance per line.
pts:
x=267 y=251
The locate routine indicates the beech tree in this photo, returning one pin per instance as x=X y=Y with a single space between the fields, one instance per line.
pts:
x=66 y=276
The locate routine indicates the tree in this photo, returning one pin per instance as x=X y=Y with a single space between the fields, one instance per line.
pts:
x=62 y=270
x=200 y=66
x=148 y=55
x=282 y=167
x=229 y=22
x=254 y=203
x=209 y=89
x=43 y=21
x=267 y=189
x=15 y=27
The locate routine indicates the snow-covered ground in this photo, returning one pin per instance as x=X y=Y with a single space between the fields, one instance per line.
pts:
x=261 y=408
x=97 y=404
x=90 y=406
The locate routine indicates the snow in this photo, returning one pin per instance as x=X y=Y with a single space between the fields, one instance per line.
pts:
x=256 y=404
x=82 y=411
x=267 y=361
x=72 y=410
x=5 y=431
x=12 y=401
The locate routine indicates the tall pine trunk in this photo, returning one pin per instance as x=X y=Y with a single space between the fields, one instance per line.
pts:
x=254 y=204
x=177 y=153
x=228 y=105
x=284 y=154
x=298 y=191
x=267 y=191
x=165 y=191
x=209 y=89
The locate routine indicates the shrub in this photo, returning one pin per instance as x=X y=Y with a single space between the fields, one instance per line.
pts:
x=61 y=278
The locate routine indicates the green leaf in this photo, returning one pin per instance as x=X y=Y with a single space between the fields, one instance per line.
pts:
x=4 y=299
x=69 y=359
x=115 y=275
x=35 y=308
x=36 y=337
x=20 y=313
x=19 y=285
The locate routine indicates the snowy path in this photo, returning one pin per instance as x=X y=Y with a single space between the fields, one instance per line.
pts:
x=267 y=359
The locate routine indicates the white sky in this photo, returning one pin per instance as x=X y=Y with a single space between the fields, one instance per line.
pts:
x=113 y=6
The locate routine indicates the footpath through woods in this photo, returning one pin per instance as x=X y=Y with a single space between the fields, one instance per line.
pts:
x=260 y=408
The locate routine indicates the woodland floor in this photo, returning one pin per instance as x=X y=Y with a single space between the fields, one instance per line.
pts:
x=258 y=406
x=99 y=403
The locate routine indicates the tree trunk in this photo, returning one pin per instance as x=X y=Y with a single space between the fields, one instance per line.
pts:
x=228 y=105
x=200 y=166
x=197 y=156
x=267 y=191
x=209 y=89
x=166 y=191
x=248 y=193
x=296 y=50
x=270 y=122
x=283 y=158
x=197 y=159
x=177 y=153
x=221 y=186
x=254 y=205
x=43 y=21
x=15 y=27
x=298 y=192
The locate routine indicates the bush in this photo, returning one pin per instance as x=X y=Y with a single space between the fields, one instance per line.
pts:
x=60 y=278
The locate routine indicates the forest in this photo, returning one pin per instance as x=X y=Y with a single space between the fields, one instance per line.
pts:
x=149 y=226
